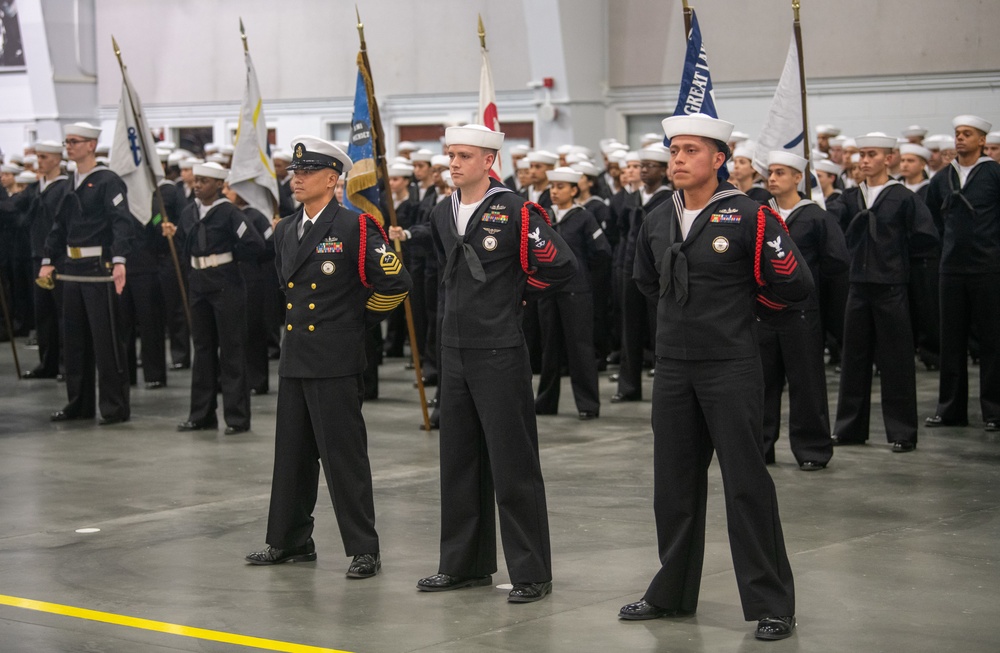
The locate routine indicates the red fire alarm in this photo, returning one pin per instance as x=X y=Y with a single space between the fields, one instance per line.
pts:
x=548 y=82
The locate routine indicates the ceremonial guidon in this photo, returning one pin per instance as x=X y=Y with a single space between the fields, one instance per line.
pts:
x=495 y=248
x=711 y=268
x=340 y=278
x=95 y=237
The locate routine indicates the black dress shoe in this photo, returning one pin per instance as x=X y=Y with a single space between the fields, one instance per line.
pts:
x=62 y=416
x=992 y=425
x=365 y=565
x=620 y=398
x=772 y=628
x=37 y=374
x=903 y=446
x=529 y=592
x=539 y=411
x=196 y=426
x=258 y=391
x=179 y=366
x=155 y=385
x=428 y=381
x=108 y=421
x=445 y=582
x=613 y=377
x=273 y=556
x=839 y=441
x=236 y=430
x=812 y=466
x=588 y=414
x=937 y=420
x=643 y=610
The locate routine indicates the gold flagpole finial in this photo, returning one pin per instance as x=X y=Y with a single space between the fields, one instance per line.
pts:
x=361 y=26
x=482 y=33
x=118 y=51
x=686 y=6
x=795 y=9
x=243 y=35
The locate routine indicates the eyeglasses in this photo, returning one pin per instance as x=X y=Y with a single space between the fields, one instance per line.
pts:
x=76 y=141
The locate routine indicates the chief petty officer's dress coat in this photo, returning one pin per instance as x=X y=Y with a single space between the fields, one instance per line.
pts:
x=339 y=280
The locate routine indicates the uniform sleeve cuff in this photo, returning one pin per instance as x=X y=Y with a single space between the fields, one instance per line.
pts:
x=46 y=261
x=118 y=259
x=408 y=234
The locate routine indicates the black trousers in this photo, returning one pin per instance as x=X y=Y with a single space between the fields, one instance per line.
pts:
x=320 y=420
x=567 y=321
x=261 y=288
x=877 y=330
x=791 y=347
x=48 y=326
x=142 y=312
x=532 y=329
x=700 y=407
x=638 y=328
x=969 y=302
x=173 y=311
x=925 y=308
x=489 y=448
x=88 y=311
x=218 y=321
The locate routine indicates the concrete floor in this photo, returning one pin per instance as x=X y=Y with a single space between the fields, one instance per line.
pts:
x=890 y=552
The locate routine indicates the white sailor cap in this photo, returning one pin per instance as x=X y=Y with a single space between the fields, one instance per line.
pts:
x=818 y=155
x=738 y=137
x=522 y=164
x=915 y=130
x=933 y=143
x=474 y=135
x=850 y=143
x=282 y=155
x=48 y=147
x=441 y=160
x=586 y=168
x=211 y=148
x=189 y=163
x=609 y=145
x=838 y=141
x=400 y=170
x=446 y=177
x=574 y=157
x=406 y=146
x=787 y=159
x=744 y=150
x=26 y=177
x=11 y=168
x=226 y=149
x=566 y=174
x=972 y=121
x=423 y=154
x=993 y=138
x=167 y=145
x=947 y=143
x=311 y=153
x=648 y=138
x=828 y=166
x=582 y=150
x=30 y=159
x=632 y=156
x=218 y=157
x=401 y=159
x=15 y=157
x=698 y=124
x=163 y=154
x=656 y=153
x=83 y=130
x=828 y=130
x=913 y=148
x=520 y=150
x=563 y=150
x=179 y=155
x=617 y=156
x=213 y=170
x=543 y=156
x=876 y=139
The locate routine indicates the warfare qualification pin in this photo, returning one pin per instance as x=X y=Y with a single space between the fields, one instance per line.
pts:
x=720 y=244
x=489 y=243
x=328 y=267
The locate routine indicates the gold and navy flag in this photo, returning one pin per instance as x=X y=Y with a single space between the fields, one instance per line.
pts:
x=363 y=189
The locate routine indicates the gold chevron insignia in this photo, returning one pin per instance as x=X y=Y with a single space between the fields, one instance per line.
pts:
x=390 y=263
x=384 y=303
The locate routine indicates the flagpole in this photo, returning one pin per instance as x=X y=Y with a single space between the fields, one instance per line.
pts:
x=156 y=191
x=275 y=216
x=378 y=152
x=687 y=19
x=807 y=151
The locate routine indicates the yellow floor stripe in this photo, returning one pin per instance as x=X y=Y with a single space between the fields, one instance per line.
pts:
x=162 y=627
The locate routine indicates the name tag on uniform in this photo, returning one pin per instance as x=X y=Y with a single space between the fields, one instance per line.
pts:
x=330 y=245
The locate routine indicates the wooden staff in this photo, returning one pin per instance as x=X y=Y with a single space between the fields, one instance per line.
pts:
x=807 y=152
x=687 y=20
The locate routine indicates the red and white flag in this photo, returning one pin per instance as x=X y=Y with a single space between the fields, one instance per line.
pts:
x=488 y=107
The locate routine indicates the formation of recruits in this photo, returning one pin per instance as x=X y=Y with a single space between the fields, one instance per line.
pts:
x=896 y=253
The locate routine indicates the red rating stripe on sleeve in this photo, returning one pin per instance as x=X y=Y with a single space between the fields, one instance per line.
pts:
x=541 y=285
x=767 y=302
x=546 y=254
x=785 y=266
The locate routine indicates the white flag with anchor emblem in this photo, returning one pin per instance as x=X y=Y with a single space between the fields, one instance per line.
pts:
x=133 y=143
x=252 y=174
